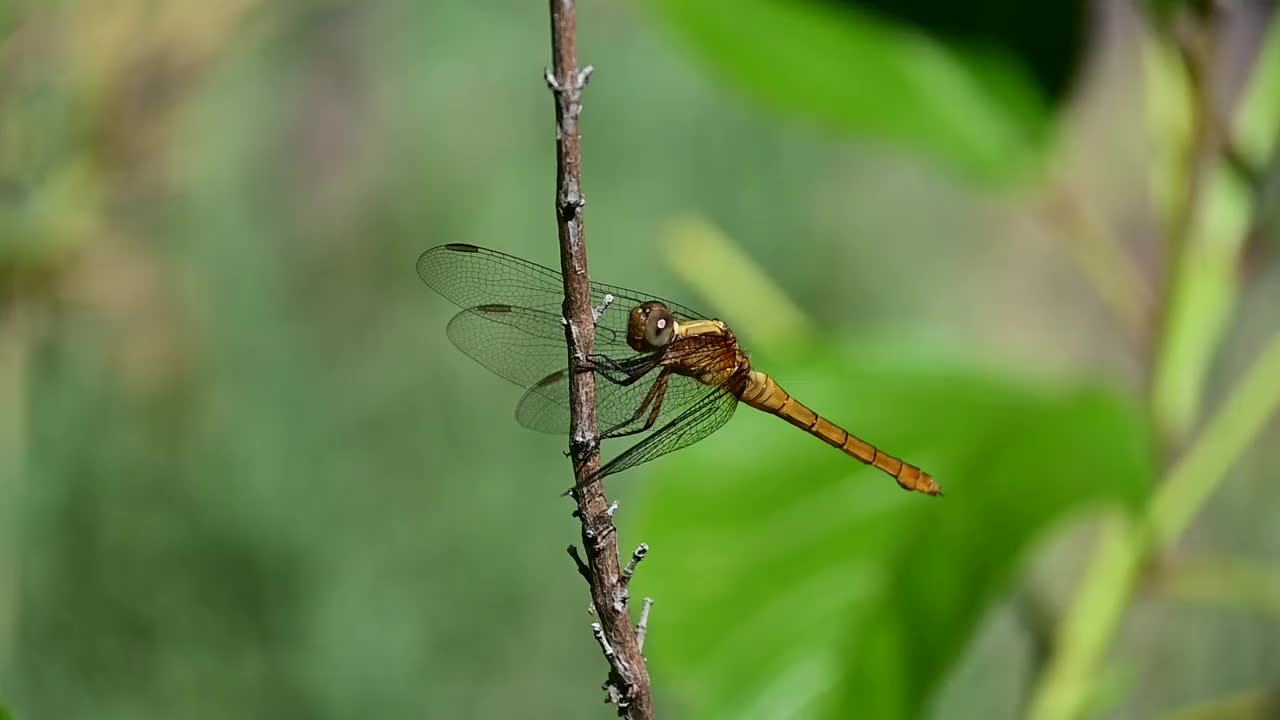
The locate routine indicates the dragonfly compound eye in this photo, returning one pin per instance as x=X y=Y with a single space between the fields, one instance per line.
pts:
x=651 y=326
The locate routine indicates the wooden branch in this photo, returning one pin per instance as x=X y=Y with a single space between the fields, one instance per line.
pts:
x=628 y=684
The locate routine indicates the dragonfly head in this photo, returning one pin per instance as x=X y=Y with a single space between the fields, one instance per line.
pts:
x=650 y=327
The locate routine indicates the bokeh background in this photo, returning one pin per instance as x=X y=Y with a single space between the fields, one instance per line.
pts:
x=1031 y=247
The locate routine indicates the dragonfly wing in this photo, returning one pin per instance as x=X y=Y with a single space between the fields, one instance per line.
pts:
x=470 y=276
x=506 y=347
x=512 y=324
x=698 y=421
x=545 y=407
x=518 y=343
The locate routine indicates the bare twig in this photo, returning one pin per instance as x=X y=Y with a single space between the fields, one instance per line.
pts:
x=605 y=647
x=628 y=682
x=642 y=627
x=597 y=312
x=615 y=695
x=630 y=569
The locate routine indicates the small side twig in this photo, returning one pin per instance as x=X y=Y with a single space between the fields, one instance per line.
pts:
x=642 y=627
x=597 y=312
x=615 y=695
x=624 y=585
x=630 y=569
x=605 y=647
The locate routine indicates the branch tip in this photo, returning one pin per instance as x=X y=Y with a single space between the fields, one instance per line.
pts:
x=597 y=312
x=630 y=570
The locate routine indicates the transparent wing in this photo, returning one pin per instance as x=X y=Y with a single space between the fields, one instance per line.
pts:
x=511 y=324
x=545 y=407
x=471 y=276
x=520 y=344
x=695 y=423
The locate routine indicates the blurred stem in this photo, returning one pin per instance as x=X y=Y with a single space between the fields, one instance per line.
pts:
x=1223 y=582
x=1225 y=438
x=1101 y=259
x=1202 y=298
x=1084 y=635
x=14 y=343
x=1259 y=704
x=1208 y=217
x=1258 y=142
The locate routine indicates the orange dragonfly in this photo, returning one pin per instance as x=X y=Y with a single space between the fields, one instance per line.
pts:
x=661 y=367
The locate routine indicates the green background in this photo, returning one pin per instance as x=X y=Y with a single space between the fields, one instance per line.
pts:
x=243 y=472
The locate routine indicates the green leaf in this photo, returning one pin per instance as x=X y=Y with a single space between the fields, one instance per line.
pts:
x=793 y=581
x=973 y=107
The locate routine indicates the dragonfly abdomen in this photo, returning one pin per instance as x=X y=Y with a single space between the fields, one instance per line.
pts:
x=763 y=393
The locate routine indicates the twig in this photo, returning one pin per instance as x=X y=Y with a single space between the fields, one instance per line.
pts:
x=597 y=312
x=630 y=569
x=628 y=682
x=642 y=627
x=615 y=695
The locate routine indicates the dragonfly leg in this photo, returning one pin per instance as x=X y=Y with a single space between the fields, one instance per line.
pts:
x=623 y=373
x=653 y=398
x=652 y=405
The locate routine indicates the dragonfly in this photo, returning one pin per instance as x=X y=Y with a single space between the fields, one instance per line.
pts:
x=663 y=370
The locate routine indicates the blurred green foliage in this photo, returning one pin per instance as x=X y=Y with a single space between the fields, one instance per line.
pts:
x=970 y=106
x=773 y=576
x=242 y=468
